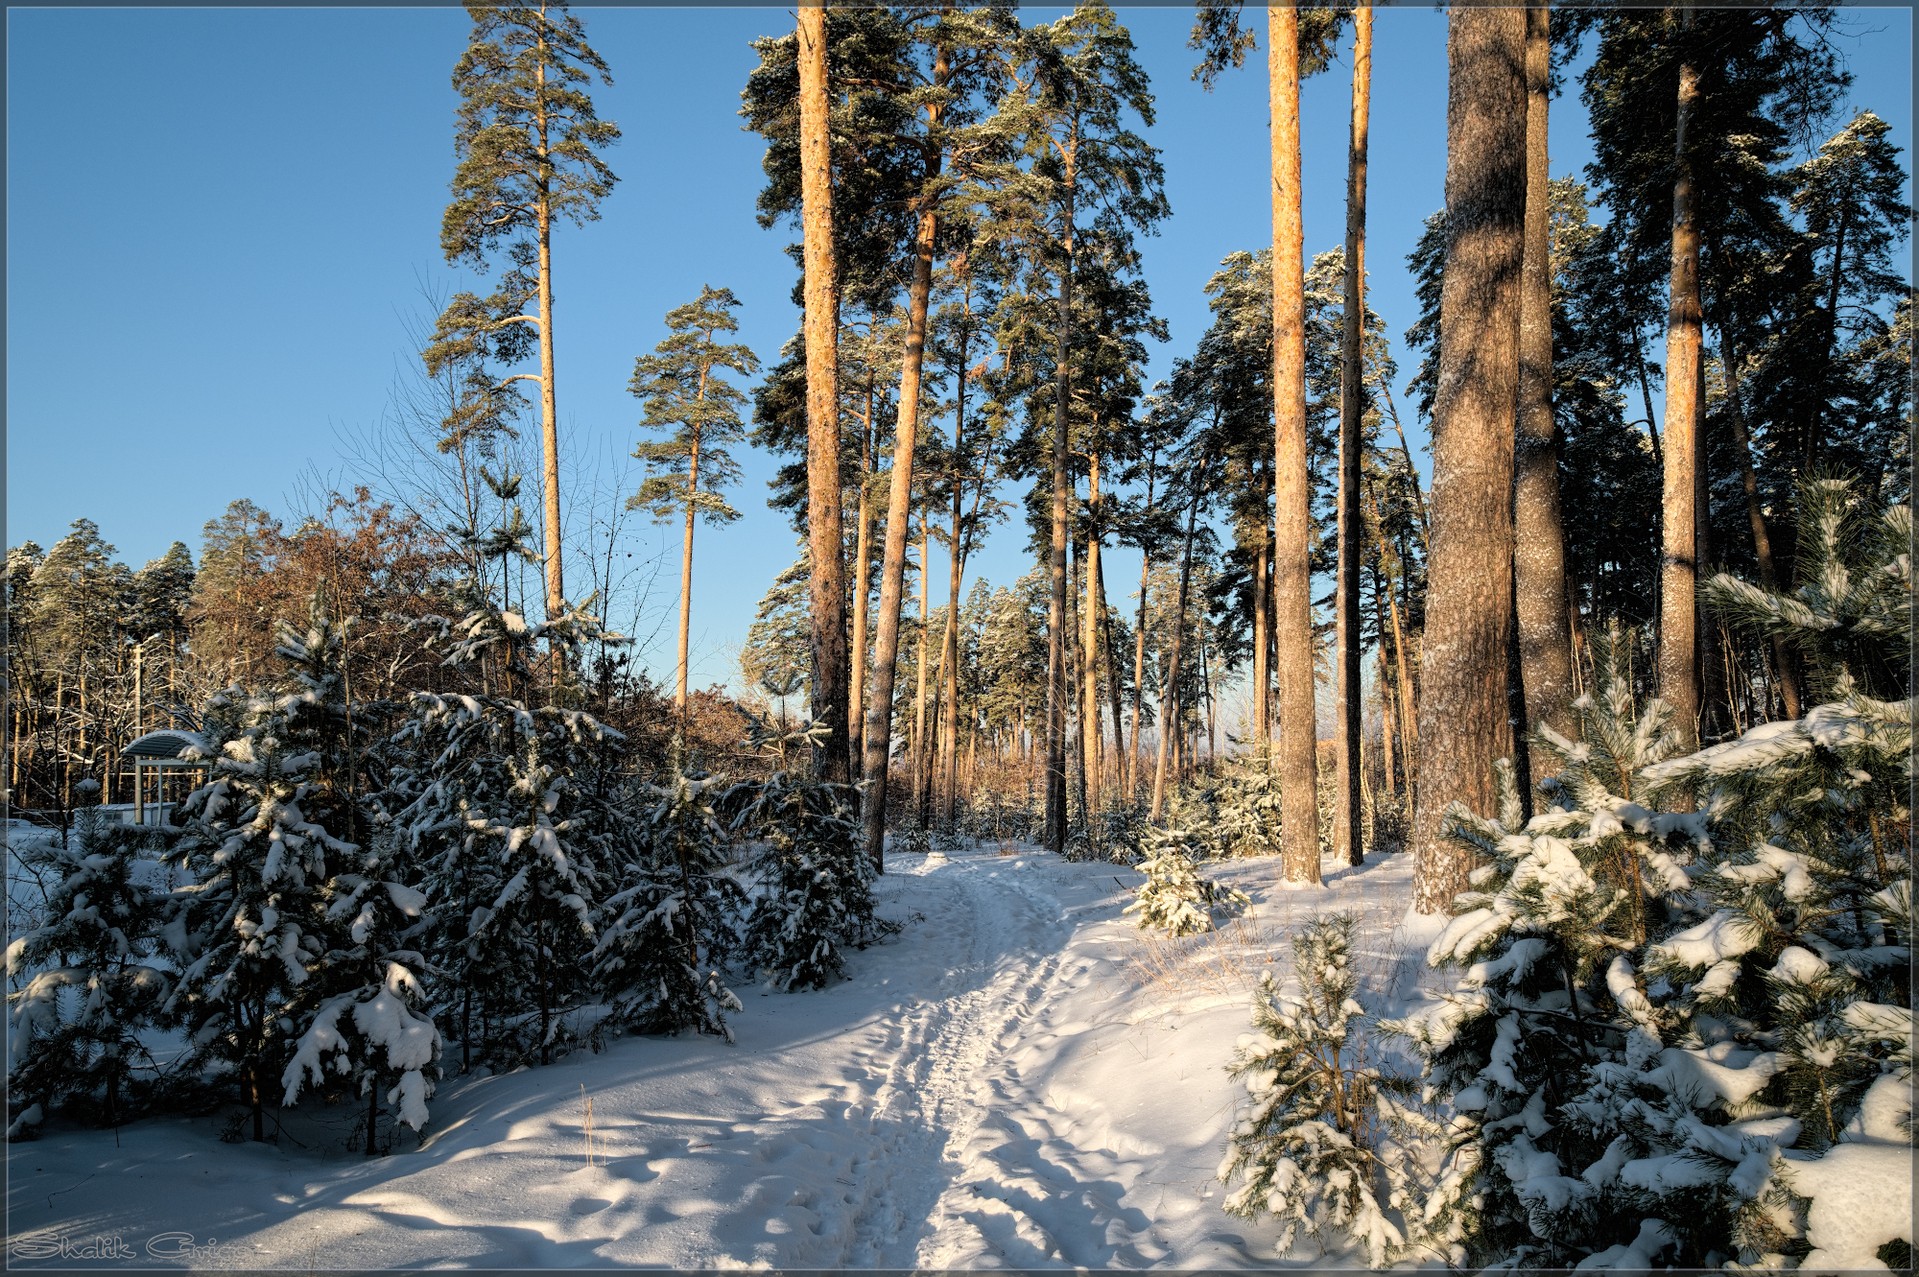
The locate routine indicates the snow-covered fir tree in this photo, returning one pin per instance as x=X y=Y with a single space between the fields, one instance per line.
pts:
x=370 y=1031
x=1247 y=810
x=490 y=802
x=259 y=847
x=1312 y=1144
x=814 y=885
x=93 y=977
x=1174 y=897
x=1676 y=1032
x=667 y=931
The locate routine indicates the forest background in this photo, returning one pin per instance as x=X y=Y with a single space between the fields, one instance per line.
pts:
x=232 y=216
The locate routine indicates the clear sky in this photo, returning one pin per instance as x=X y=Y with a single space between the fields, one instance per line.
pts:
x=220 y=223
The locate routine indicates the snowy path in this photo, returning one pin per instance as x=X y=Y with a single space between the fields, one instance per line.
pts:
x=1014 y=1082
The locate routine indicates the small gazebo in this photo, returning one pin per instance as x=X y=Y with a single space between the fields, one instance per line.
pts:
x=161 y=758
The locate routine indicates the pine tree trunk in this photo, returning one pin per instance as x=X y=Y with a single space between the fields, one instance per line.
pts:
x=1169 y=710
x=827 y=575
x=1260 y=730
x=922 y=774
x=1386 y=727
x=1056 y=685
x=1089 y=647
x=1761 y=538
x=1715 y=704
x=1462 y=706
x=949 y=642
x=1139 y=638
x=1809 y=445
x=686 y=569
x=1292 y=480
x=549 y=406
x=1347 y=841
x=862 y=582
x=1076 y=742
x=1111 y=655
x=1139 y=675
x=1679 y=578
x=1412 y=474
x=1539 y=539
x=879 y=702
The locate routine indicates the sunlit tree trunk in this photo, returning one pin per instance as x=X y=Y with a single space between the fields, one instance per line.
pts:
x=1463 y=724
x=1089 y=646
x=862 y=578
x=922 y=744
x=1169 y=708
x=1679 y=576
x=879 y=702
x=1539 y=540
x=1139 y=640
x=1292 y=480
x=549 y=406
x=1346 y=788
x=1113 y=694
x=821 y=294
x=1056 y=684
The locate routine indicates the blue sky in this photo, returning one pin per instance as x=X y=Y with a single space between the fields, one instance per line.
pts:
x=220 y=222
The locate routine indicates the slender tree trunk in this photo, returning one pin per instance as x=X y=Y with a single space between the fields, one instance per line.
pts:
x=949 y=642
x=862 y=579
x=1809 y=444
x=879 y=704
x=828 y=559
x=1347 y=841
x=1408 y=718
x=549 y=407
x=1076 y=776
x=1539 y=540
x=1292 y=479
x=1714 y=707
x=1386 y=725
x=1679 y=578
x=1260 y=730
x=922 y=774
x=1412 y=474
x=1089 y=647
x=686 y=569
x=1113 y=694
x=1056 y=685
x=1462 y=707
x=1139 y=637
x=1761 y=538
x=1645 y=399
x=1169 y=710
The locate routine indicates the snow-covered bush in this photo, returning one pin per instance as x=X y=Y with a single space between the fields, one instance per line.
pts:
x=1679 y=1035
x=91 y=980
x=1174 y=897
x=815 y=884
x=668 y=930
x=1312 y=1145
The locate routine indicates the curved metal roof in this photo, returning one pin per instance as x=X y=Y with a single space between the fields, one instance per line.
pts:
x=166 y=743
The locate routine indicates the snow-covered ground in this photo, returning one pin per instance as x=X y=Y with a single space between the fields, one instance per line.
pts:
x=1020 y=1079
